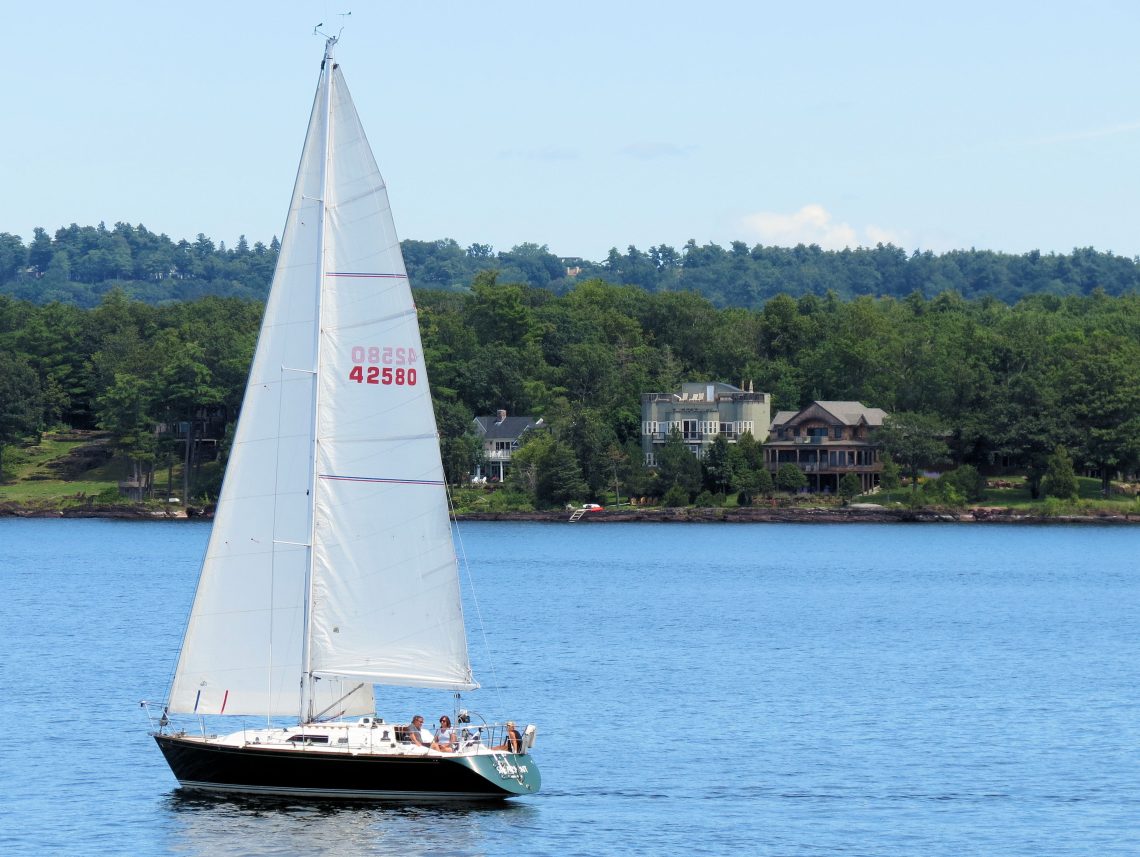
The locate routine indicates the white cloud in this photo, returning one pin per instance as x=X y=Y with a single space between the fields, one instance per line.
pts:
x=877 y=235
x=1087 y=134
x=813 y=224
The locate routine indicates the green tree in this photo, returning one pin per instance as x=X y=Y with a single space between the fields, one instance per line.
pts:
x=749 y=451
x=969 y=482
x=125 y=410
x=676 y=465
x=1060 y=477
x=915 y=441
x=850 y=487
x=587 y=433
x=498 y=313
x=633 y=475
x=751 y=484
x=186 y=386
x=790 y=478
x=889 y=477
x=20 y=407
x=546 y=469
x=459 y=448
x=559 y=476
x=717 y=466
x=1102 y=388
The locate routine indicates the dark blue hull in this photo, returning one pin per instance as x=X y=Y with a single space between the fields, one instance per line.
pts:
x=311 y=773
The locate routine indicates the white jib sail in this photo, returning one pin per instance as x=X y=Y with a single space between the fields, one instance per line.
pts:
x=350 y=525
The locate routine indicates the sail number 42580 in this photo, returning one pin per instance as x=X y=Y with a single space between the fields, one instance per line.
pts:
x=375 y=364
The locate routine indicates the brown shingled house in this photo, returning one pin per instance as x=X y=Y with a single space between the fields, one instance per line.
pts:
x=827 y=440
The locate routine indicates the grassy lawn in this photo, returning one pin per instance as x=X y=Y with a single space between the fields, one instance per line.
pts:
x=1017 y=497
x=32 y=474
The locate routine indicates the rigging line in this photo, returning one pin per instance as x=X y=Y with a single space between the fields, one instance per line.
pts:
x=475 y=600
x=391 y=481
x=364 y=275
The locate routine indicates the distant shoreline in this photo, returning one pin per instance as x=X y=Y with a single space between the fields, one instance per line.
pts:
x=861 y=513
x=838 y=515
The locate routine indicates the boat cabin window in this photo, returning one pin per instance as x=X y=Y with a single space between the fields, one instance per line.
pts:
x=308 y=739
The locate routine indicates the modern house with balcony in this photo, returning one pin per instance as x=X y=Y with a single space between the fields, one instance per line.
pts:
x=827 y=440
x=701 y=412
x=501 y=436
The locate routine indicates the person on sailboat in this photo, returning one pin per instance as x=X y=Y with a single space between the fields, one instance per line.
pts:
x=513 y=742
x=413 y=733
x=445 y=738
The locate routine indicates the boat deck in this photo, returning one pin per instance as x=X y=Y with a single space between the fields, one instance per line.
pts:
x=367 y=735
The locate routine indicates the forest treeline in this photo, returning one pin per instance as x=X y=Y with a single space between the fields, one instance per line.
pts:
x=81 y=264
x=1006 y=384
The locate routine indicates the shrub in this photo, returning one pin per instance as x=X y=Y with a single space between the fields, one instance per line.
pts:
x=1060 y=479
x=850 y=486
x=675 y=497
x=790 y=478
x=109 y=496
x=966 y=481
x=509 y=501
x=889 y=478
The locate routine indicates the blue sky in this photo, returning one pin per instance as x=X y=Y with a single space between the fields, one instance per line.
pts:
x=587 y=125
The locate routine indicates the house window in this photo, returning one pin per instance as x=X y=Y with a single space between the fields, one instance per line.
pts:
x=817 y=432
x=650 y=460
x=691 y=429
x=837 y=433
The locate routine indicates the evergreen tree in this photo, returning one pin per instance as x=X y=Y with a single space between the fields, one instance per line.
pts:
x=915 y=441
x=790 y=478
x=889 y=477
x=717 y=466
x=1060 y=478
x=20 y=411
x=850 y=487
x=678 y=466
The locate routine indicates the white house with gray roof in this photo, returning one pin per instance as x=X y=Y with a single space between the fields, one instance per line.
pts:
x=501 y=436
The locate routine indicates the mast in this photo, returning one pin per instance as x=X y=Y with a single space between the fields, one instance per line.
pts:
x=307 y=689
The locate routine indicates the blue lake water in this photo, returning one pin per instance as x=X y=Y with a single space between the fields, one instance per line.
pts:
x=699 y=689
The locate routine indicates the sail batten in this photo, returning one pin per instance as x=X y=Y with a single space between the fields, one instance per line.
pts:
x=331 y=552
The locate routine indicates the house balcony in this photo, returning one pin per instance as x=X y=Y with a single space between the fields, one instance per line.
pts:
x=662 y=436
x=824 y=467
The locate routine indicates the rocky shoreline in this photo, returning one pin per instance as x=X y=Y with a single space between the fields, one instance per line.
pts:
x=800 y=515
x=123 y=511
x=857 y=513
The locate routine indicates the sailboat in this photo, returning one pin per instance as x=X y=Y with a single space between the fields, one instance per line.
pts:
x=331 y=566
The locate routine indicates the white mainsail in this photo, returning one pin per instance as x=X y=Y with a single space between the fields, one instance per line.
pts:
x=331 y=553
